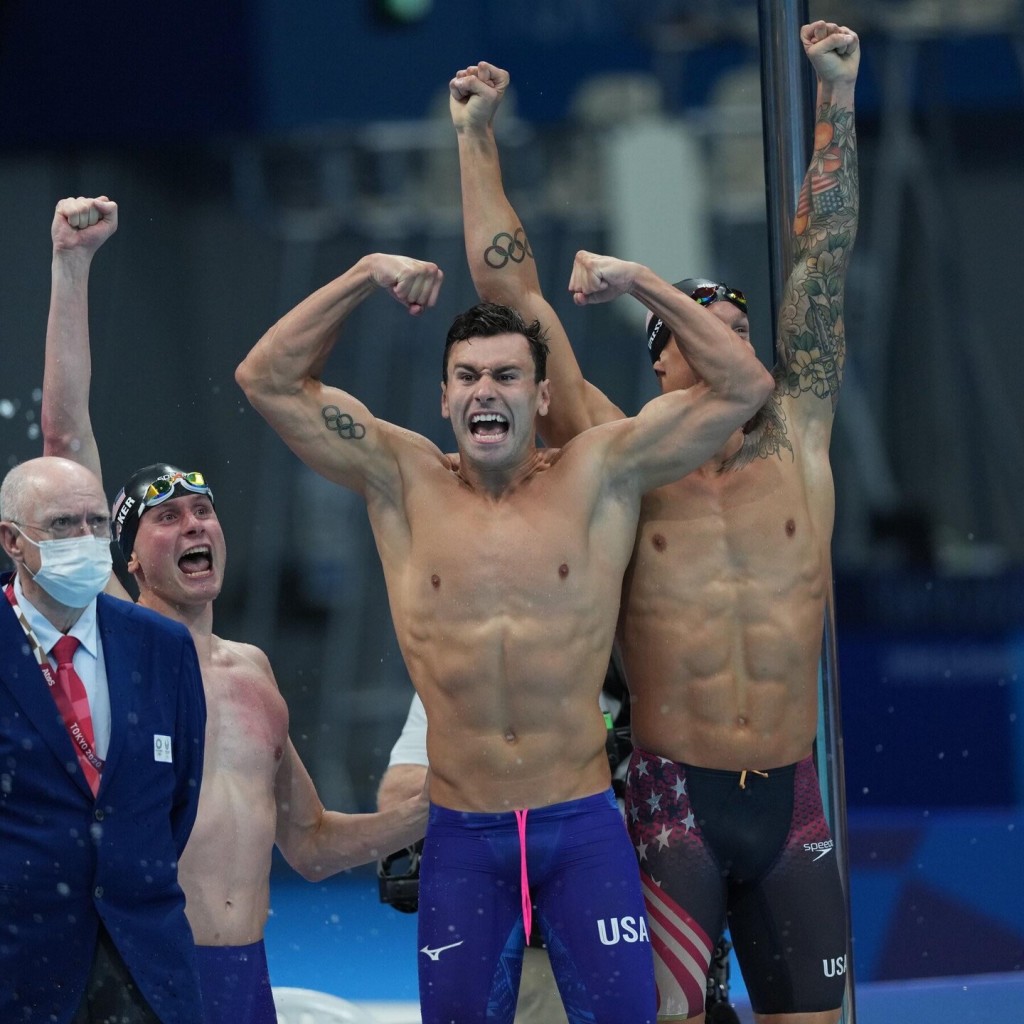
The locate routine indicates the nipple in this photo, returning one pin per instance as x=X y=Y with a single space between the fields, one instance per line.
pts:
x=659 y=542
x=563 y=570
x=435 y=581
x=790 y=527
x=510 y=736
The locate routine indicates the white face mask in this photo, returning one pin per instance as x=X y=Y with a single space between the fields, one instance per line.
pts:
x=72 y=570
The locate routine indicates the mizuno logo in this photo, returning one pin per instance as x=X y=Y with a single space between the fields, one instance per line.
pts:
x=435 y=954
x=819 y=848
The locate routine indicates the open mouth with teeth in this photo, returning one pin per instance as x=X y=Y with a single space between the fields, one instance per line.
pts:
x=197 y=561
x=488 y=427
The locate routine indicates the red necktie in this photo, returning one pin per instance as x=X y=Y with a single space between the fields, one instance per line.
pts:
x=74 y=689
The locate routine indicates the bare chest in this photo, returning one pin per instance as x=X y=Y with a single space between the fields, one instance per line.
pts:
x=514 y=554
x=752 y=533
x=247 y=719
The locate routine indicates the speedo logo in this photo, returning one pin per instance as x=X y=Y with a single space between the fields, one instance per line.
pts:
x=622 y=929
x=819 y=848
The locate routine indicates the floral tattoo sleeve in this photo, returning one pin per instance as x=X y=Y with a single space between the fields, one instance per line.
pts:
x=811 y=333
x=812 y=337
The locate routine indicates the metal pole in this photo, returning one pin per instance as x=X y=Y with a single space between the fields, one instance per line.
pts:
x=787 y=108
x=786 y=117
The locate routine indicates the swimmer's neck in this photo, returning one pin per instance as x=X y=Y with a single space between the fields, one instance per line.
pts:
x=496 y=482
x=196 y=618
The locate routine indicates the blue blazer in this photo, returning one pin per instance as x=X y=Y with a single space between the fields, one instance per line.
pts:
x=69 y=861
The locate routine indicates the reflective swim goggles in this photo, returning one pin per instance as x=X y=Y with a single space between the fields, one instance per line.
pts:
x=708 y=293
x=704 y=295
x=162 y=488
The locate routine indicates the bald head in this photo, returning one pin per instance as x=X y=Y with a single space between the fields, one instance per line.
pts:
x=46 y=501
x=50 y=495
x=31 y=486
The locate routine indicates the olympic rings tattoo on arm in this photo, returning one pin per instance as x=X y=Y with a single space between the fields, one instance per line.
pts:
x=505 y=247
x=342 y=424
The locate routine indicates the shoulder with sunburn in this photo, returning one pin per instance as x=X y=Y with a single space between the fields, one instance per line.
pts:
x=238 y=655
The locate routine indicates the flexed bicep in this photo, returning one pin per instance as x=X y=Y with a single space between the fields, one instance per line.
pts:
x=328 y=428
x=336 y=435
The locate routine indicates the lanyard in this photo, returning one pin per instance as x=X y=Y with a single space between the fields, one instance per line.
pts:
x=67 y=712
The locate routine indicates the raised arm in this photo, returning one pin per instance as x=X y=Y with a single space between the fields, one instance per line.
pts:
x=501 y=260
x=811 y=339
x=318 y=843
x=682 y=429
x=80 y=226
x=330 y=430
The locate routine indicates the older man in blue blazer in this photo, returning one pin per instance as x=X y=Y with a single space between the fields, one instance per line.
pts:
x=102 y=717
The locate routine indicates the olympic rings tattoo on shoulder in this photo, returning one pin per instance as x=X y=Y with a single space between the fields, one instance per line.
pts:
x=505 y=247
x=342 y=424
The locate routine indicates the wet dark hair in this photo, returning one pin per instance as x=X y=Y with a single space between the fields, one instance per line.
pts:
x=489 y=319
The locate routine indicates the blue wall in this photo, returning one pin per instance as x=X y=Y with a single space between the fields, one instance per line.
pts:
x=84 y=75
x=932 y=679
x=71 y=75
